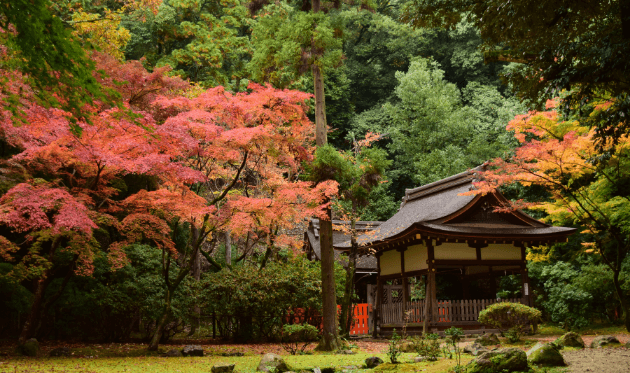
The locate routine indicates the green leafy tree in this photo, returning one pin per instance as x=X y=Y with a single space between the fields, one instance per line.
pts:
x=563 y=46
x=44 y=49
x=432 y=134
x=203 y=41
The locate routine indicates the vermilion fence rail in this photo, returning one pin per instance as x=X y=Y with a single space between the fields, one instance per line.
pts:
x=360 y=324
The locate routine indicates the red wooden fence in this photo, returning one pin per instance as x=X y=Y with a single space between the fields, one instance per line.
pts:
x=360 y=324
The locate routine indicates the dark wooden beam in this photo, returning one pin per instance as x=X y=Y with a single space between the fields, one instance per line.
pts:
x=416 y=273
x=470 y=262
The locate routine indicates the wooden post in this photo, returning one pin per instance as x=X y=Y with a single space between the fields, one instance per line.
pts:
x=377 y=309
x=427 y=305
x=405 y=293
x=431 y=288
x=525 y=291
x=405 y=283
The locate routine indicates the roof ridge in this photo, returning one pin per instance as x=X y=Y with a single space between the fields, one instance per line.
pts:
x=437 y=186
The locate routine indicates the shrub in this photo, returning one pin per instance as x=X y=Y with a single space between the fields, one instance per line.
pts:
x=509 y=316
x=453 y=336
x=295 y=334
x=253 y=304
x=394 y=348
x=427 y=346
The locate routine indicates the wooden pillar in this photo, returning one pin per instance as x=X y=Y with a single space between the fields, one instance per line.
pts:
x=525 y=290
x=379 y=295
x=377 y=309
x=405 y=283
x=431 y=288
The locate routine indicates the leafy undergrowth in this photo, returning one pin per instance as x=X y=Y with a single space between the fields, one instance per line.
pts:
x=244 y=364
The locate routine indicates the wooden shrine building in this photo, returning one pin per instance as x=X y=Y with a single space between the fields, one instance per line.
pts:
x=455 y=245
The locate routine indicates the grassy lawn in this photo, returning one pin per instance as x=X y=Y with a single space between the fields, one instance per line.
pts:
x=595 y=329
x=203 y=364
x=134 y=357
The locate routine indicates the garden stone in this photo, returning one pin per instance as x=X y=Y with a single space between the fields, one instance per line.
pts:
x=232 y=354
x=475 y=349
x=499 y=361
x=222 y=368
x=570 y=339
x=419 y=359
x=317 y=370
x=272 y=361
x=627 y=344
x=192 y=350
x=173 y=353
x=373 y=362
x=30 y=348
x=487 y=339
x=346 y=352
x=60 y=352
x=604 y=341
x=546 y=354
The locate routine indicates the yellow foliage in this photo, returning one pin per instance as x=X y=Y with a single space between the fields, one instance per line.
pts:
x=538 y=254
x=104 y=32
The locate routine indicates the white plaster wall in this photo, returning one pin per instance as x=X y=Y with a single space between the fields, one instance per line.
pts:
x=416 y=258
x=500 y=251
x=390 y=262
x=455 y=251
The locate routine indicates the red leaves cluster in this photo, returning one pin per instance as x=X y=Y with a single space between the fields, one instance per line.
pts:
x=194 y=148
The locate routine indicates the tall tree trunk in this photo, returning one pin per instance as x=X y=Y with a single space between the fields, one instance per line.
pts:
x=321 y=128
x=625 y=307
x=330 y=335
x=161 y=325
x=197 y=238
x=228 y=249
x=346 y=305
x=196 y=272
x=32 y=321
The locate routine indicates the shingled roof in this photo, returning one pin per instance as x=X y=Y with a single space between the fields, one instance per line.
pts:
x=439 y=210
x=365 y=263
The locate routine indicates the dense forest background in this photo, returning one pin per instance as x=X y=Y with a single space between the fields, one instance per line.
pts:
x=438 y=100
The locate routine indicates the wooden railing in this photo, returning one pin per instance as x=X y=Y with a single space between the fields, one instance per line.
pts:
x=447 y=311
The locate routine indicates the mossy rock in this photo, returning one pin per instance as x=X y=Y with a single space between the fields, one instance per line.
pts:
x=546 y=354
x=488 y=340
x=29 y=348
x=272 y=362
x=605 y=341
x=503 y=360
x=570 y=339
x=475 y=349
